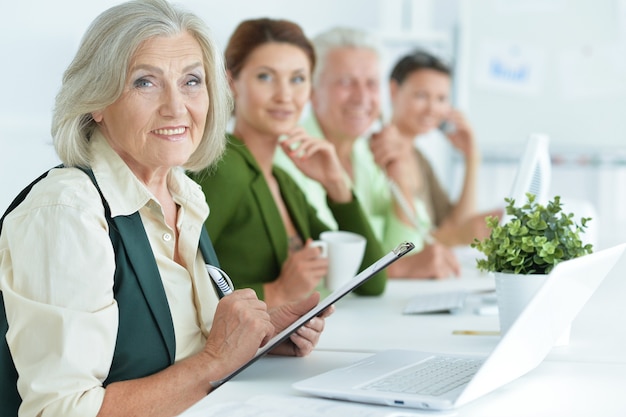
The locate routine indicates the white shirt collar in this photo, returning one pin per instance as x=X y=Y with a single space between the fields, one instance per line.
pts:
x=126 y=194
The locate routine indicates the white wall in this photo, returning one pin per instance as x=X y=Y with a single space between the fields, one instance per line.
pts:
x=547 y=65
x=556 y=67
x=39 y=37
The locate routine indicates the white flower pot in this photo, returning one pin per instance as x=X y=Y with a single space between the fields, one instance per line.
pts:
x=513 y=292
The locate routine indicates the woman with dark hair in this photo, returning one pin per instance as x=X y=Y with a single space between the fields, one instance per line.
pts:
x=263 y=226
x=420 y=86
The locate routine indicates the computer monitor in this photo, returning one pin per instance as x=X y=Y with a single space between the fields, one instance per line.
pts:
x=534 y=172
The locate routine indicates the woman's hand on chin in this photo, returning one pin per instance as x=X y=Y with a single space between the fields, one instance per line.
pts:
x=318 y=160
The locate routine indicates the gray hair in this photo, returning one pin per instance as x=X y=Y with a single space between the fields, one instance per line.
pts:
x=96 y=77
x=341 y=37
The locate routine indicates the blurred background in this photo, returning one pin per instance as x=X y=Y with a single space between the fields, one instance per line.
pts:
x=520 y=66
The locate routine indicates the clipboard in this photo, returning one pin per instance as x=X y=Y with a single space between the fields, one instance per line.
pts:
x=401 y=250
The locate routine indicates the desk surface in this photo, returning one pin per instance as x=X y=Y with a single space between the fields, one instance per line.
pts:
x=583 y=378
x=553 y=389
x=369 y=324
x=376 y=323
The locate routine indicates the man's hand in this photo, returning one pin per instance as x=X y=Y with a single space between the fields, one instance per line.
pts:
x=435 y=261
x=395 y=156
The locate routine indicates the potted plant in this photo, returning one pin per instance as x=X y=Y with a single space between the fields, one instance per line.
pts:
x=521 y=252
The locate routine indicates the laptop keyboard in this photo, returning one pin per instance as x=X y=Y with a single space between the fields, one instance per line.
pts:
x=436 y=302
x=434 y=376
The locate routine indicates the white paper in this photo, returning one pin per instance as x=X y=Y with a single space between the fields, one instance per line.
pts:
x=510 y=67
x=289 y=406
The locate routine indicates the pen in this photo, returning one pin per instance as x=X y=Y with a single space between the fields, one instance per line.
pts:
x=408 y=211
x=221 y=280
x=476 y=332
x=401 y=200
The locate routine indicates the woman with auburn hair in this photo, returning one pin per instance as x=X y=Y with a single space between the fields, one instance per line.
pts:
x=263 y=226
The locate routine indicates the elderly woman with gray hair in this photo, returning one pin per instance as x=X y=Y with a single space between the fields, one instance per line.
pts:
x=106 y=303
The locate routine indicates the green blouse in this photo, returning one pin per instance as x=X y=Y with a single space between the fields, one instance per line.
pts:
x=247 y=230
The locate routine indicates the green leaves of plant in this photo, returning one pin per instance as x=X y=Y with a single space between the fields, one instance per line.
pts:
x=534 y=240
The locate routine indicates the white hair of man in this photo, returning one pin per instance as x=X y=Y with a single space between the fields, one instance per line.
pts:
x=342 y=37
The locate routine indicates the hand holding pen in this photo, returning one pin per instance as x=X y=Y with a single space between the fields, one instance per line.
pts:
x=394 y=155
x=223 y=283
x=300 y=343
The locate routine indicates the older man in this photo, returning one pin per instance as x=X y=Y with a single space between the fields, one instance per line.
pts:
x=345 y=103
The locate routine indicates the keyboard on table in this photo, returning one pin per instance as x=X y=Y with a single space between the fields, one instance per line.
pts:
x=434 y=376
x=439 y=302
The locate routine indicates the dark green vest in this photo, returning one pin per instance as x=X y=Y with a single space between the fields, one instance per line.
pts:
x=145 y=336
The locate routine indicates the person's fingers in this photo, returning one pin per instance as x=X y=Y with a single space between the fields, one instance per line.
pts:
x=454 y=263
x=302 y=345
x=445 y=264
x=316 y=324
x=311 y=147
x=311 y=250
x=307 y=333
x=302 y=306
x=327 y=312
x=307 y=336
x=450 y=265
x=269 y=333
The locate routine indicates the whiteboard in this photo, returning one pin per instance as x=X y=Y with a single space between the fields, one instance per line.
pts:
x=552 y=66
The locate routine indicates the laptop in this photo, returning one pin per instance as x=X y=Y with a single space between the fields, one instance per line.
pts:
x=376 y=379
x=386 y=260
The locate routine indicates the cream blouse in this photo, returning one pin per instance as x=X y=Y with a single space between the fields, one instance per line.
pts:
x=56 y=276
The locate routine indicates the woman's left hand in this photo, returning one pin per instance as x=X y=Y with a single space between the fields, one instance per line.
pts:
x=304 y=340
x=462 y=137
x=318 y=160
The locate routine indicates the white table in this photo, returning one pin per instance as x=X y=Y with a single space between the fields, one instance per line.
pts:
x=370 y=324
x=554 y=389
x=375 y=323
x=585 y=378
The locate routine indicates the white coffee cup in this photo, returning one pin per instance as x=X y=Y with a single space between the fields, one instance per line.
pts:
x=345 y=252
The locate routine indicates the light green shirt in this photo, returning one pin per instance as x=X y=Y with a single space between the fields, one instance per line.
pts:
x=370 y=186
